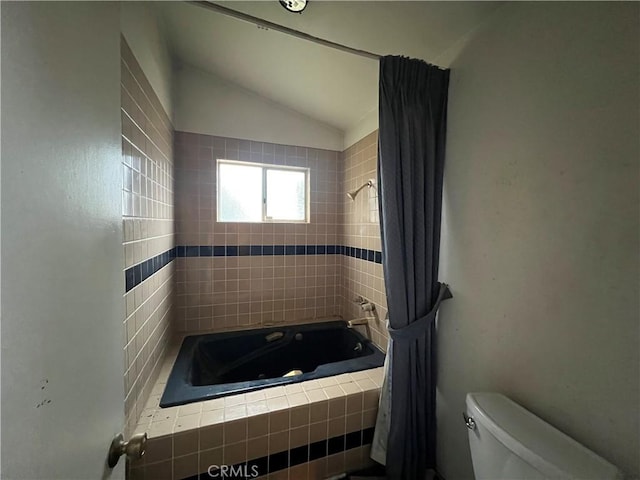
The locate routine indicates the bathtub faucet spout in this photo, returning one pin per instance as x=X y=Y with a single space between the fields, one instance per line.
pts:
x=360 y=321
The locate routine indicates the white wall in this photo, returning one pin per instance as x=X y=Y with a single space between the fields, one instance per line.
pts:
x=209 y=105
x=366 y=125
x=62 y=309
x=139 y=25
x=540 y=230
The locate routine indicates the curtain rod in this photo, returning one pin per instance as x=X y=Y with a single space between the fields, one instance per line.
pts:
x=282 y=29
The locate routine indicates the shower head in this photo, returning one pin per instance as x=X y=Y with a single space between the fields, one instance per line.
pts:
x=354 y=193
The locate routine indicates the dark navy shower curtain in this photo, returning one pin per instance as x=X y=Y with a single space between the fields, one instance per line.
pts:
x=413 y=110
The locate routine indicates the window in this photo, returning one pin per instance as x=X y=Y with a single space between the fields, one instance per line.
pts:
x=253 y=192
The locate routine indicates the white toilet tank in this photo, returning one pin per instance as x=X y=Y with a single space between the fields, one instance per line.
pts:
x=509 y=442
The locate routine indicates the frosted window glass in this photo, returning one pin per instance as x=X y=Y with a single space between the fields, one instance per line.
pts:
x=240 y=193
x=286 y=199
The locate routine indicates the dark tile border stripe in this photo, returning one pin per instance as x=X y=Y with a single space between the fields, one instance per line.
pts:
x=137 y=274
x=277 y=250
x=296 y=456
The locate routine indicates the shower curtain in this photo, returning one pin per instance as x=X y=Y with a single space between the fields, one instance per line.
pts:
x=411 y=145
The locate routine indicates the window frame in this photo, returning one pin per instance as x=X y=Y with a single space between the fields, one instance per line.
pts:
x=265 y=167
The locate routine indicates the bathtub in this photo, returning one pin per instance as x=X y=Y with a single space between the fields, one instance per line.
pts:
x=220 y=364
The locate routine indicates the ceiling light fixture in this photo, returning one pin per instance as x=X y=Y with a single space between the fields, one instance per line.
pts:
x=295 y=6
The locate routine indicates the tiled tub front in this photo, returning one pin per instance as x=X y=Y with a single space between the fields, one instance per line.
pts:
x=312 y=429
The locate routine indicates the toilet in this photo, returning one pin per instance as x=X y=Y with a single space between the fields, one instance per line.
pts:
x=509 y=442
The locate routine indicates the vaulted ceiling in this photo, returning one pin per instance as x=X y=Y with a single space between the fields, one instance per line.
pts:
x=331 y=86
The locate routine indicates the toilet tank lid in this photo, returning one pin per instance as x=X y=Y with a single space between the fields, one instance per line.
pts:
x=543 y=446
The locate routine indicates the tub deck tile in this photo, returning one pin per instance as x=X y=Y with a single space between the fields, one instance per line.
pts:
x=308 y=405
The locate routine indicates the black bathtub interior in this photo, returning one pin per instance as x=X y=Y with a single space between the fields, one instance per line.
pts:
x=220 y=364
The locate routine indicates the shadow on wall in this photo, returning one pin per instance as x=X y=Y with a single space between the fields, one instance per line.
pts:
x=540 y=226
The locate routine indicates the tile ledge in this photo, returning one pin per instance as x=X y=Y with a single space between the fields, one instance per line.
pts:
x=363 y=380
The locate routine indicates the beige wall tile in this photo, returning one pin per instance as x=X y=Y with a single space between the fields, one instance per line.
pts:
x=257 y=447
x=210 y=457
x=353 y=459
x=280 y=475
x=299 y=436
x=299 y=416
x=211 y=437
x=148 y=221
x=278 y=442
x=159 y=471
x=235 y=453
x=278 y=421
x=185 y=466
x=250 y=437
x=337 y=407
x=186 y=422
x=335 y=464
x=318 y=469
x=235 y=431
x=258 y=426
x=185 y=443
x=336 y=426
x=354 y=403
x=269 y=299
x=299 y=472
x=319 y=412
x=353 y=422
x=212 y=417
x=360 y=227
x=369 y=418
x=158 y=449
x=318 y=431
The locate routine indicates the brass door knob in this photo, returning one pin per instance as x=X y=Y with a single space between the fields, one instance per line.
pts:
x=134 y=448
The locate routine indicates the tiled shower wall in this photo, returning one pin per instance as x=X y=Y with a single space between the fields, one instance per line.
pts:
x=235 y=275
x=148 y=217
x=360 y=228
x=230 y=275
